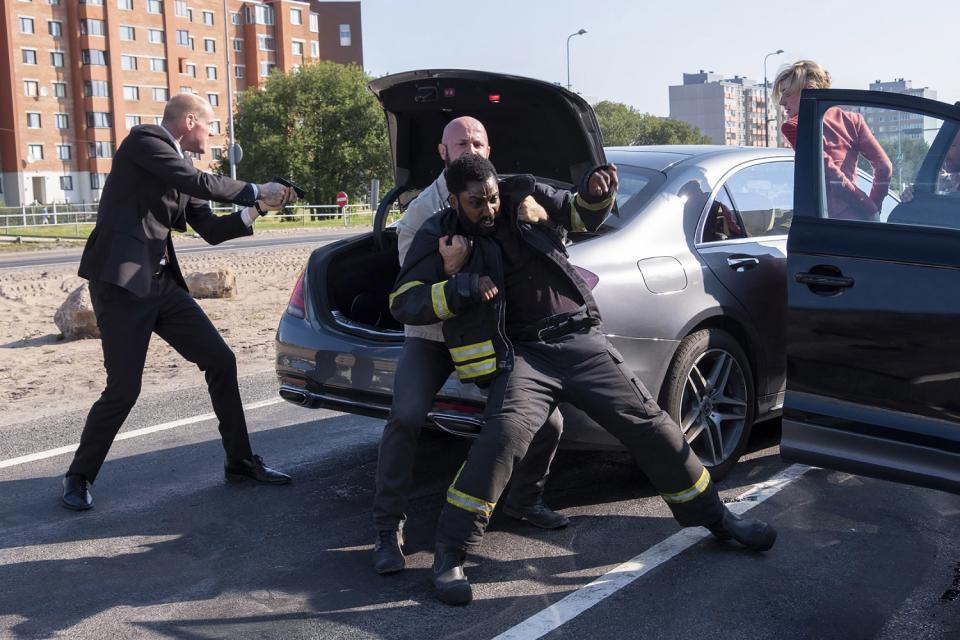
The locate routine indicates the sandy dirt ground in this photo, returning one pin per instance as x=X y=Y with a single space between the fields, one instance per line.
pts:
x=41 y=373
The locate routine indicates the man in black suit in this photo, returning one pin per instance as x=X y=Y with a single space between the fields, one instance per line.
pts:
x=137 y=288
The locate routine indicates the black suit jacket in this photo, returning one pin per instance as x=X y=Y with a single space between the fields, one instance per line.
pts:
x=151 y=190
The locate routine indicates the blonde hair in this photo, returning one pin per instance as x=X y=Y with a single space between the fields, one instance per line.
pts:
x=181 y=104
x=802 y=74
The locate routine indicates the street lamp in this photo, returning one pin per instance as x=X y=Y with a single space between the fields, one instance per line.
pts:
x=578 y=33
x=766 y=100
x=231 y=150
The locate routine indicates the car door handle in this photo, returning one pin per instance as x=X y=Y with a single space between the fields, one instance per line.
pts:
x=819 y=280
x=742 y=263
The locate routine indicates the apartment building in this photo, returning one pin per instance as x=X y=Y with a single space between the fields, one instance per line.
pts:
x=893 y=126
x=76 y=75
x=729 y=110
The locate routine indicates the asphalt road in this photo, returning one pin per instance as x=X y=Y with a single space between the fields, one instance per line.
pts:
x=172 y=551
x=53 y=257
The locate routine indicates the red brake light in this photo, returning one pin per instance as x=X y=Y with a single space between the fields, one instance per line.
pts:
x=494 y=98
x=296 y=306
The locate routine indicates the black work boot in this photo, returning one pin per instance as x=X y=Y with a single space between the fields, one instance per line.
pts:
x=753 y=534
x=388 y=551
x=448 y=579
x=538 y=514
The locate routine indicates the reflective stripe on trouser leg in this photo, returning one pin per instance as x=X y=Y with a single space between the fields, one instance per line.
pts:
x=609 y=392
x=467 y=502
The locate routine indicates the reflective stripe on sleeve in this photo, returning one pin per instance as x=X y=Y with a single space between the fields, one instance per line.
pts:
x=440 y=308
x=576 y=224
x=471 y=351
x=596 y=206
x=476 y=369
x=689 y=494
x=405 y=286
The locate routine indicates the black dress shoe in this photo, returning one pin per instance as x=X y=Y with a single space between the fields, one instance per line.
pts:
x=538 y=514
x=753 y=534
x=254 y=469
x=388 y=551
x=76 y=493
x=448 y=579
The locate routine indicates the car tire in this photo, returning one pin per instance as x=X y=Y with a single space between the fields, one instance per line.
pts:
x=716 y=418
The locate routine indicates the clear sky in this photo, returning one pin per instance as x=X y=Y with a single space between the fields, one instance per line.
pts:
x=634 y=50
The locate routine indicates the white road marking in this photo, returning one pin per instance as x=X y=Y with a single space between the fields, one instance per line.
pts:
x=126 y=435
x=606 y=585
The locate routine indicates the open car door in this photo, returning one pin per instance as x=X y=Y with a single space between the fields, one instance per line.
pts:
x=873 y=329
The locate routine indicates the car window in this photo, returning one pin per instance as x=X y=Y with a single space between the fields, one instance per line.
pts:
x=890 y=166
x=637 y=186
x=723 y=222
x=762 y=195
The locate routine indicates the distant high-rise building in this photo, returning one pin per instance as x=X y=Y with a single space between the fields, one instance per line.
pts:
x=728 y=110
x=78 y=74
x=893 y=126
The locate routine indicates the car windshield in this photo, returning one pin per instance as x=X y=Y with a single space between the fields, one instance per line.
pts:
x=637 y=186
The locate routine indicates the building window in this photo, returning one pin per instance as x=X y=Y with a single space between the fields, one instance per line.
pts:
x=97 y=180
x=93 y=57
x=35 y=151
x=98 y=88
x=314 y=23
x=216 y=153
x=132 y=121
x=156 y=35
x=160 y=94
x=131 y=92
x=234 y=17
x=31 y=88
x=183 y=37
x=29 y=56
x=297 y=48
x=209 y=45
x=190 y=69
x=89 y=27
x=238 y=44
x=215 y=126
x=315 y=48
x=100 y=149
x=66 y=183
x=158 y=64
x=260 y=14
x=180 y=8
x=154 y=6
x=213 y=99
x=99 y=119
x=63 y=152
x=56 y=59
x=125 y=4
x=55 y=28
x=211 y=73
x=128 y=62
x=265 y=43
x=296 y=16
x=186 y=89
x=61 y=120
x=128 y=33
x=344 y=35
x=33 y=120
x=266 y=68
x=238 y=71
x=26 y=25
x=60 y=89
x=208 y=18
x=98 y=3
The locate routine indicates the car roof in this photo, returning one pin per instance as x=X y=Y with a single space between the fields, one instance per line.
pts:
x=662 y=157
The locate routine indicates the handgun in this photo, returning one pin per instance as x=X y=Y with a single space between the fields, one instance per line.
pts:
x=301 y=194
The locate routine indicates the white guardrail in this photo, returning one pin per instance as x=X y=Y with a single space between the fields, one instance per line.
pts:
x=20 y=220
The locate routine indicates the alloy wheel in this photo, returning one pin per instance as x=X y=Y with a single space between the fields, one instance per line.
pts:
x=713 y=407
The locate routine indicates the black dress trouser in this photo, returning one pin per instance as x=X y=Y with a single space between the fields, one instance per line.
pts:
x=583 y=369
x=126 y=322
x=423 y=368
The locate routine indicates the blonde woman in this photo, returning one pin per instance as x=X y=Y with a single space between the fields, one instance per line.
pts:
x=846 y=137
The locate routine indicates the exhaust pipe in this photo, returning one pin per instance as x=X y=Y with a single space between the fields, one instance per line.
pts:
x=294 y=395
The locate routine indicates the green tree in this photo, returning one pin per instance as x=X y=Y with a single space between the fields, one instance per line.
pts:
x=320 y=126
x=906 y=155
x=621 y=125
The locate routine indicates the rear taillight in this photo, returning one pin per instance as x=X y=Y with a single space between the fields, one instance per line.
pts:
x=588 y=276
x=296 y=306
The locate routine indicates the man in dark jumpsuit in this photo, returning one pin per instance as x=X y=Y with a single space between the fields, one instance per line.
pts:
x=559 y=354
